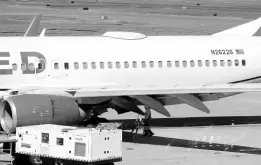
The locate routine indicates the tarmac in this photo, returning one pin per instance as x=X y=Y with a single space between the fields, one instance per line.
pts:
x=174 y=143
x=195 y=145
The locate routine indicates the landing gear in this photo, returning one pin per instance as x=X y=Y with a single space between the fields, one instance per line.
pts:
x=94 y=121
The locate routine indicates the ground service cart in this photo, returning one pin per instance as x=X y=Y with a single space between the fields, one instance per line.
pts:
x=61 y=144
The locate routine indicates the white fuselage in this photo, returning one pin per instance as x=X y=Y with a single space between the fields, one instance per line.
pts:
x=98 y=51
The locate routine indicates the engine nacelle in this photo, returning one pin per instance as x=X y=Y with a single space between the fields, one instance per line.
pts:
x=24 y=110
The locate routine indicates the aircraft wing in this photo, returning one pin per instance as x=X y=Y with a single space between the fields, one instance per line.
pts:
x=145 y=96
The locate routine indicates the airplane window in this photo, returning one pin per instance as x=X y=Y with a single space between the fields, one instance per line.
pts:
x=134 y=64
x=14 y=66
x=126 y=64
x=243 y=62
x=207 y=63
x=76 y=65
x=40 y=66
x=118 y=65
x=143 y=64
x=110 y=65
x=192 y=63
x=66 y=65
x=85 y=65
x=23 y=67
x=236 y=62
x=214 y=63
x=56 y=66
x=169 y=64
x=184 y=63
x=199 y=63
x=222 y=63
x=151 y=64
x=176 y=63
x=93 y=65
x=160 y=64
x=31 y=66
x=102 y=65
x=229 y=62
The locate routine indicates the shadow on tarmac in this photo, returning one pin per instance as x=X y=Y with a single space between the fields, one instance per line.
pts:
x=193 y=121
x=191 y=144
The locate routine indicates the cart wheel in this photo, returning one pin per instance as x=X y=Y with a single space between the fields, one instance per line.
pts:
x=22 y=159
x=58 y=162
x=109 y=163
x=35 y=160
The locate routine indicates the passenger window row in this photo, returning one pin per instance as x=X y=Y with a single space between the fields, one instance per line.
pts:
x=152 y=64
x=30 y=67
x=134 y=64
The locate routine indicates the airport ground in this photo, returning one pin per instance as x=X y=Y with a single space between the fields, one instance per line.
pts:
x=239 y=144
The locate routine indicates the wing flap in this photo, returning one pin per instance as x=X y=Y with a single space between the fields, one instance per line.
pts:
x=193 y=101
x=125 y=104
x=152 y=103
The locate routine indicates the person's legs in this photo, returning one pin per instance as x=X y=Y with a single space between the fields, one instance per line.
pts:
x=137 y=129
x=145 y=131
x=151 y=133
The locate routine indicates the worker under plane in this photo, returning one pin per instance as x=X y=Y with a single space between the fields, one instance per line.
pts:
x=61 y=80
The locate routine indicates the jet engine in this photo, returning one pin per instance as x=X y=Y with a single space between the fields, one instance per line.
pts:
x=24 y=110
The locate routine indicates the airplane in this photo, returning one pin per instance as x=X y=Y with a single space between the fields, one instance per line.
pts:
x=65 y=80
